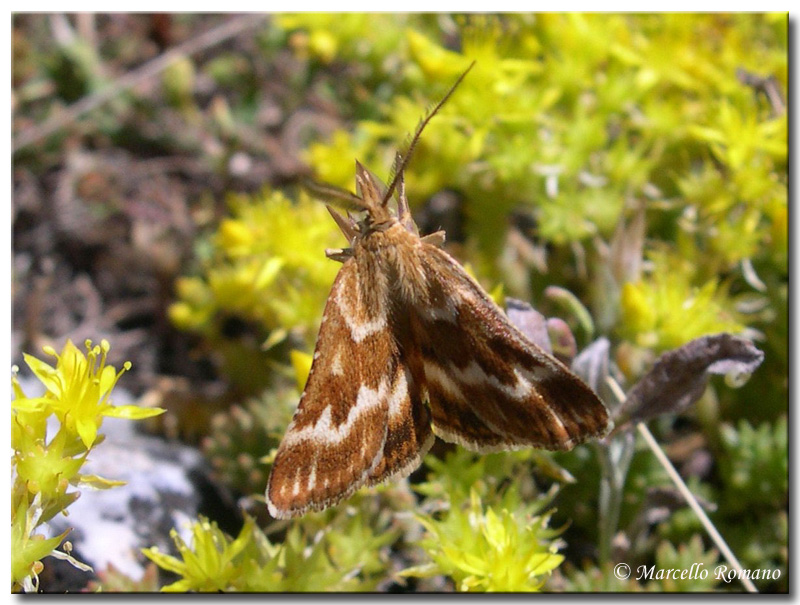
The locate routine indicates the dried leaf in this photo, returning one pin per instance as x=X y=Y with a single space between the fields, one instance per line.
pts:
x=530 y=322
x=679 y=377
x=553 y=335
x=593 y=366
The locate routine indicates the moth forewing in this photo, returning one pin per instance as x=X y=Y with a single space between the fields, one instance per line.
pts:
x=338 y=432
x=477 y=361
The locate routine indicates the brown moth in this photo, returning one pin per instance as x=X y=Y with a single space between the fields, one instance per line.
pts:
x=410 y=346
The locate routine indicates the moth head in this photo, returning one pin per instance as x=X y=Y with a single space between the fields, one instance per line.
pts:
x=373 y=195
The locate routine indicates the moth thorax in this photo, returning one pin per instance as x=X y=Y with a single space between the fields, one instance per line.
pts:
x=407 y=276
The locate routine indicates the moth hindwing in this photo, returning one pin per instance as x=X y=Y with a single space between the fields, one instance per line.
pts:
x=410 y=346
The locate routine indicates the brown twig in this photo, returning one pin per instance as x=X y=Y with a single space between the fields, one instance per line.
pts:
x=767 y=85
x=211 y=38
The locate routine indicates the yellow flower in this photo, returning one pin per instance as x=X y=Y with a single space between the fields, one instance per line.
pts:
x=79 y=387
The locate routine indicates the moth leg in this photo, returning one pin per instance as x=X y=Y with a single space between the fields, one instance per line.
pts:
x=339 y=254
x=435 y=239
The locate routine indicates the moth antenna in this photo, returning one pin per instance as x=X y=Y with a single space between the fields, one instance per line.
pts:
x=398 y=158
x=406 y=157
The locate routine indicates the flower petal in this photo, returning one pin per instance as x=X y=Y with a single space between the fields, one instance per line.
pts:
x=87 y=429
x=45 y=373
x=131 y=412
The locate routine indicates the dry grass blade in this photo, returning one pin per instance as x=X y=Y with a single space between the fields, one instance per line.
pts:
x=709 y=526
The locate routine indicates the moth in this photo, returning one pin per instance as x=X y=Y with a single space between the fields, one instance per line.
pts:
x=411 y=347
